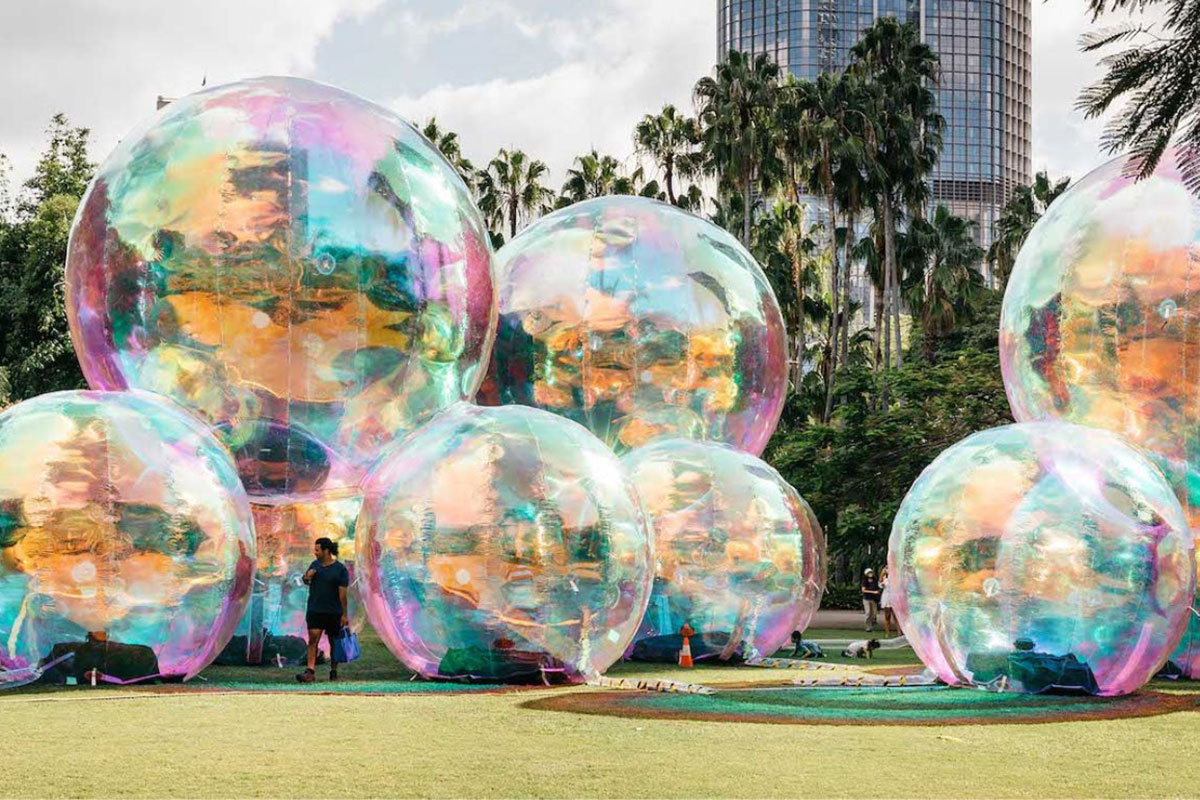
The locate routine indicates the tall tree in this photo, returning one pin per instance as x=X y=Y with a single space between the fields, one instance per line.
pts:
x=869 y=253
x=852 y=187
x=64 y=167
x=1158 y=74
x=593 y=175
x=692 y=201
x=449 y=146
x=947 y=280
x=1017 y=218
x=794 y=138
x=785 y=243
x=671 y=140
x=832 y=127
x=734 y=109
x=6 y=208
x=511 y=190
x=900 y=68
x=35 y=344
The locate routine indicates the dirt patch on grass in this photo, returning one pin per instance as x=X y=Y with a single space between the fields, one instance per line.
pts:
x=866 y=706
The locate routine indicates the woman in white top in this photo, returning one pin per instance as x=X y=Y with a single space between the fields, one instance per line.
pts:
x=885 y=605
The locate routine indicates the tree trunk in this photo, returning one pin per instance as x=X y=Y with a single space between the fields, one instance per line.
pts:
x=833 y=307
x=877 y=312
x=886 y=299
x=798 y=342
x=897 y=339
x=847 y=265
x=746 y=211
x=512 y=220
x=668 y=174
x=889 y=246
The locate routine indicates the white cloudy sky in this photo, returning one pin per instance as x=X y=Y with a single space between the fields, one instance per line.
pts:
x=553 y=77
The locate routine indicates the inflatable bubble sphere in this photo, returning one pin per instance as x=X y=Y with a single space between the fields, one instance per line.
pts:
x=503 y=544
x=126 y=545
x=295 y=265
x=274 y=630
x=1101 y=323
x=1042 y=556
x=740 y=557
x=636 y=319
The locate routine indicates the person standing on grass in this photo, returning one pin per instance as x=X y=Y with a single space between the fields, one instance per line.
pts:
x=328 y=581
x=870 y=597
x=885 y=605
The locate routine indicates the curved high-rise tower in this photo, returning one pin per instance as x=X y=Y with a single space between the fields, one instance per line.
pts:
x=984 y=92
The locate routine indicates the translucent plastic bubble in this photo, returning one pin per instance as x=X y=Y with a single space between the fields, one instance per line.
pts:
x=292 y=263
x=503 y=544
x=273 y=630
x=1042 y=555
x=1101 y=322
x=125 y=539
x=637 y=319
x=740 y=555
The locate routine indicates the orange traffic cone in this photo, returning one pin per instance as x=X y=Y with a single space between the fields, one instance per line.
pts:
x=685 y=653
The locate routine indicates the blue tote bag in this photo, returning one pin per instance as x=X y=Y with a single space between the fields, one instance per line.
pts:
x=345 y=647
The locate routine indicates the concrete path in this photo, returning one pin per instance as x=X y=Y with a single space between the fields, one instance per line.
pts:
x=838 y=618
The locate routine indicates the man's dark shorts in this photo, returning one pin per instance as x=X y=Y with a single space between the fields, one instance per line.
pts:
x=330 y=623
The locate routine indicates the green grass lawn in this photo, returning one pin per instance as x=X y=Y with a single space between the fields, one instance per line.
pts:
x=135 y=743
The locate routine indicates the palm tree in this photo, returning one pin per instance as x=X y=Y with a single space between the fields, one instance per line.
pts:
x=900 y=68
x=734 y=109
x=1158 y=72
x=671 y=140
x=853 y=189
x=636 y=183
x=818 y=384
x=591 y=175
x=594 y=175
x=786 y=246
x=827 y=124
x=1017 y=218
x=511 y=190
x=947 y=280
x=793 y=137
x=869 y=253
x=692 y=201
x=448 y=145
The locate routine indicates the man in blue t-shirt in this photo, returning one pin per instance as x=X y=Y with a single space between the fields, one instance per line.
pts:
x=328 y=580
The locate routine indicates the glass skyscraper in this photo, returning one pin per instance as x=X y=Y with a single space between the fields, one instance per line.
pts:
x=984 y=91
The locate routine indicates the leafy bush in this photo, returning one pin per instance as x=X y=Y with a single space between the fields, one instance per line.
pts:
x=846 y=596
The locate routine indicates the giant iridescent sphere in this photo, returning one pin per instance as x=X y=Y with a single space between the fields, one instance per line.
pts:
x=637 y=319
x=1101 y=321
x=740 y=556
x=503 y=543
x=124 y=531
x=294 y=264
x=1041 y=555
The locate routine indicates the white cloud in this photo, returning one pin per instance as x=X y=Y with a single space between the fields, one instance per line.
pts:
x=103 y=64
x=1064 y=141
x=418 y=31
x=607 y=63
x=622 y=59
x=626 y=58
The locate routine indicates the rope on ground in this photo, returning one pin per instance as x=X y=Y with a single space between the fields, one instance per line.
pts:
x=789 y=663
x=646 y=685
x=854 y=681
